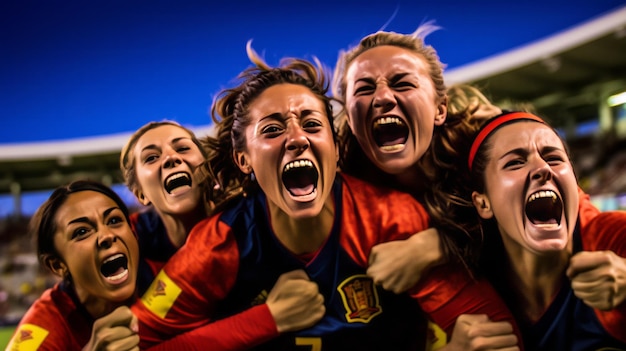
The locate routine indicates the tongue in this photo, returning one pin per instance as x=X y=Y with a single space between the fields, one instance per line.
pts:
x=539 y=221
x=179 y=189
x=392 y=142
x=118 y=271
x=301 y=191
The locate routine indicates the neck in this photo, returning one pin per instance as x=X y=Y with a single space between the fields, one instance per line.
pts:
x=97 y=307
x=178 y=226
x=303 y=235
x=534 y=280
x=412 y=180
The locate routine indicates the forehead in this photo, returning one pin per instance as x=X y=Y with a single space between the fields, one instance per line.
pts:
x=161 y=134
x=283 y=98
x=83 y=204
x=523 y=133
x=387 y=58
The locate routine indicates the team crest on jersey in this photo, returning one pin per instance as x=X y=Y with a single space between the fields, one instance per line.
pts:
x=360 y=298
x=28 y=337
x=161 y=295
x=159 y=289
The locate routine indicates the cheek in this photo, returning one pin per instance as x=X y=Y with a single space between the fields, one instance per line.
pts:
x=79 y=262
x=145 y=175
x=500 y=189
x=357 y=111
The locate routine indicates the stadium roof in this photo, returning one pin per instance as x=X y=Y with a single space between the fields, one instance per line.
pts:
x=564 y=76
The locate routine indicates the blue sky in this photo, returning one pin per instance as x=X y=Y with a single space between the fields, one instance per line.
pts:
x=82 y=68
x=72 y=68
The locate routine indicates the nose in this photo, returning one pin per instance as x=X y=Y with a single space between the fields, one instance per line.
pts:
x=296 y=139
x=541 y=170
x=383 y=97
x=171 y=159
x=106 y=239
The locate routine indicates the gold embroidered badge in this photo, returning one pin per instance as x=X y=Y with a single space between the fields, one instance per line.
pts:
x=360 y=298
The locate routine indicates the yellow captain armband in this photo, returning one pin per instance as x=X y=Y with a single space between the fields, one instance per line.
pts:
x=27 y=337
x=436 y=338
x=161 y=295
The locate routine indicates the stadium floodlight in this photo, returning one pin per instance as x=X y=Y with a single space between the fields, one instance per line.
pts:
x=617 y=99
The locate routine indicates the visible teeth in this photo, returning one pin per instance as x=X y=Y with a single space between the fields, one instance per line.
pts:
x=388 y=120
x=176 y=176
x=113 y=258
x=299 y=163
x=542 y=194
x=392 y=147
x=119 y=276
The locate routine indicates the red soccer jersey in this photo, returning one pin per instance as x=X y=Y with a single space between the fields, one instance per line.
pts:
x=607 y=231
x=53 y=322
x=194 y=283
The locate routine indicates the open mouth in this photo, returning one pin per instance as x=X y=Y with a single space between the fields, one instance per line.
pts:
x=300 y=177
x=177 y=181
x=390 y=133
x=115 y=267
x=544 y=208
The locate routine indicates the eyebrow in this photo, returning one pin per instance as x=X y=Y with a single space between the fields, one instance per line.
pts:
x=524 y=152
x=153 y=146
x=86 y=220
x=396 y=77
x=517 y=151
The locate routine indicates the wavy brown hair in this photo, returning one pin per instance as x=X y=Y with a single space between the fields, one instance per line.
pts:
x=231 y=117
x=353 y=160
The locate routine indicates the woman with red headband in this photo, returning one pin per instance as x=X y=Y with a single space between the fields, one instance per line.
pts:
x=395 y=103
x=561 y=270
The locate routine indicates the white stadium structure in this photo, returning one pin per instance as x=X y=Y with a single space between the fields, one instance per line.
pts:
x=575 y=78
x=568 y=77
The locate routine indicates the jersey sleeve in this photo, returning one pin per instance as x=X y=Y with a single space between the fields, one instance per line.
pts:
x=184 y=294
x=239 y=332
x=43 y=328
x=607 y=231
x=586 y=210
x=448 y=291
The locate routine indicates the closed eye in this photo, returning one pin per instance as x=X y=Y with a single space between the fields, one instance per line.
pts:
x=363 y=90
x=403 y=85
x=513 y=164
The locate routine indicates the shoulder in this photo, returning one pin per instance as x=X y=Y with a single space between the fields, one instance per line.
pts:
x=363 y=190
x=45 y=321
x=605 y=231
x=381 y=199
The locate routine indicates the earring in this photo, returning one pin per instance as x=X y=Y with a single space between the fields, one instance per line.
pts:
x=252 y=176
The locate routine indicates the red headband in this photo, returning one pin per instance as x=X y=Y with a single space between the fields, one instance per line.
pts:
x=492 y=125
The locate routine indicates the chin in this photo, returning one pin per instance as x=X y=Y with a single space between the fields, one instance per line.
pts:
x=302 y=211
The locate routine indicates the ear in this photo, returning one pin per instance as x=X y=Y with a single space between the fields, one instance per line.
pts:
x=442 y=111
x=482 y=205
x=141 y=197
x=56 y=266
x=241 y=159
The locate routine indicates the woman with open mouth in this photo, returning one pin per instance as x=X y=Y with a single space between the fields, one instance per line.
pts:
x=395 y=103
x=84 y=237
x=159 y=164
x=284 y=208
x=560 y=268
